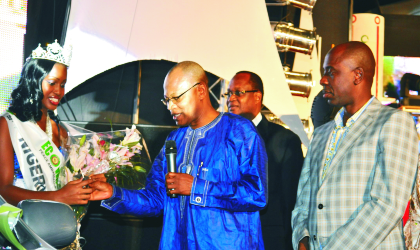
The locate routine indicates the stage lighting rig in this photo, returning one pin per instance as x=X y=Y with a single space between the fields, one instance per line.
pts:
x=290 y=38
x=302 y=4
x=300 y=84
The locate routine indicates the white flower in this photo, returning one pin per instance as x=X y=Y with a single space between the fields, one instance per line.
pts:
x=132 y=137
x=79 y=160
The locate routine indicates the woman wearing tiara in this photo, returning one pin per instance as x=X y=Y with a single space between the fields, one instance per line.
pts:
x=30 y=141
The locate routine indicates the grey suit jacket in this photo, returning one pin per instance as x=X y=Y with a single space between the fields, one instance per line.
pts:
x=361 y=201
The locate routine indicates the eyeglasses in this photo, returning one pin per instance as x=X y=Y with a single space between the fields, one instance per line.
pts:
x=174 y=99
x=237 y=93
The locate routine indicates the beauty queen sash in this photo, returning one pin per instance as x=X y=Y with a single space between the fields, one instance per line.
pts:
x=39 y=159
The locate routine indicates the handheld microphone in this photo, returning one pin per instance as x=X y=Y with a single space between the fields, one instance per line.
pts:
x=171 y=159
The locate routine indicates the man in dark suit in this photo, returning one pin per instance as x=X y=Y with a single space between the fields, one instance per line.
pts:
x=285 y=159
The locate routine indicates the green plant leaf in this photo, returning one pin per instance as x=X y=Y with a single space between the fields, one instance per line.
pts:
x=140 y=169
x=82 y=140
x=131 y=144
x=70 y=167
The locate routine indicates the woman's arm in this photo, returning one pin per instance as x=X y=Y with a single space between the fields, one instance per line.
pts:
x=72 y=193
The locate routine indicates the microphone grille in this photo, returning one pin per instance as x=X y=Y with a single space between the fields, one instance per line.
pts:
x=170 y=146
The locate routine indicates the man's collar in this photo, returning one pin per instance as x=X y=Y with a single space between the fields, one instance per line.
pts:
x=340 y=115
x=257 y=119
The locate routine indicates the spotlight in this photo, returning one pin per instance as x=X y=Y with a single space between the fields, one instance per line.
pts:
x=302 y=4
x=289 y=38
x=300 y=84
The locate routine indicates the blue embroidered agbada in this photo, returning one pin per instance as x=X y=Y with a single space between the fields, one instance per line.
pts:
x=228 y=161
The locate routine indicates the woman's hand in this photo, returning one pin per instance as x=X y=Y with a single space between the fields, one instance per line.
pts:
x=75 y=192
x=98 y=177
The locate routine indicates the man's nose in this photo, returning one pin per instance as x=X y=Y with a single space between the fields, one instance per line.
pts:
x=323 y=81
x=231 y=98
x=169 y=104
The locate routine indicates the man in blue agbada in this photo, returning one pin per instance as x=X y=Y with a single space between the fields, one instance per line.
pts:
x=221 y=181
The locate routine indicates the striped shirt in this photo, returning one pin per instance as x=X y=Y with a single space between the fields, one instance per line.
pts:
x=339 y=133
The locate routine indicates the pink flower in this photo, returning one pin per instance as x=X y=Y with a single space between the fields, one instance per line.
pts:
x=103 y=154
x=91 y=161
x=125 y=155
x=121 y=151
x=137 y=148
x=86 y=169
x=96 y=149
x=78 y=160
x=102 y=167
x=102 y=142
x=127 y=163
x=129 y=154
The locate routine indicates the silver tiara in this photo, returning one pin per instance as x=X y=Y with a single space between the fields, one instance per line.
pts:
x=54 y=53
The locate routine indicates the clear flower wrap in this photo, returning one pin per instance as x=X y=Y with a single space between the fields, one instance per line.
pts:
x=120 y=155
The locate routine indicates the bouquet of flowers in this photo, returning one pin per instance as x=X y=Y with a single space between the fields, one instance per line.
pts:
x=117 y=154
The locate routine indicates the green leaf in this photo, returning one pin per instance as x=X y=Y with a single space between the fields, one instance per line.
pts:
x=124 y=174
x=119 y=134
x=140 y=169
x=131 y=144
x=69 y=166
x=82 y=140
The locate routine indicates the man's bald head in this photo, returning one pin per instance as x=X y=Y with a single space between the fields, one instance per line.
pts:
x=186 y=95
x=348 y=75
x=360 y=55
x=189 y=71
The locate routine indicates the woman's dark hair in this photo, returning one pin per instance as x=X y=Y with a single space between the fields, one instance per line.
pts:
x=27 y=98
